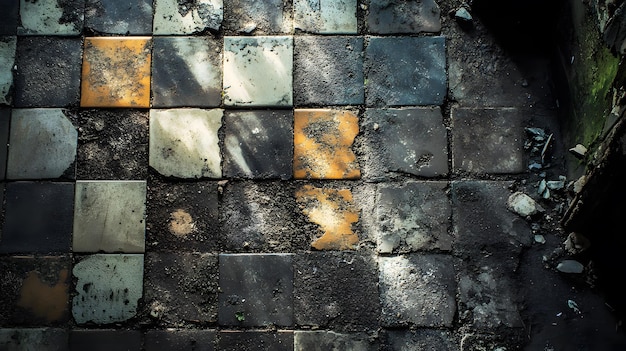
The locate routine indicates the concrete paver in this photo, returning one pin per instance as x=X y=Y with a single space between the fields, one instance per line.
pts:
x=108 y=288
x=328 y=70
x=38 y=217
x=43 y=145
x=258 y=71
x=51 y=17
x=183 y=340
x=119 y=17
x=258 y=144
x=116 y=72
x=48 y=71
x=8 y=47
x=105 y=339
x=109 y=216
x=172 y=17
x=399 y=16
x=184 y=143
x=325 y=17
x=186 y=72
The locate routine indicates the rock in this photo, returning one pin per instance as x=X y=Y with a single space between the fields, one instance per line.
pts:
x=523 y=204
x=540 y=239
x=463 y=17
x=578 y=151
x=570 y=266
x=578 y=184
x=576 y=243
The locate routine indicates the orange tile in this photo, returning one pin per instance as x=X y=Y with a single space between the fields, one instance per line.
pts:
x=43 y=300
x=323 y=144
x=116 y=72
x=335 y=212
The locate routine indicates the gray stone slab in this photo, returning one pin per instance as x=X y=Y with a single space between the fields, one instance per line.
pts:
x=401 y=16
x=281 y=340
x=9 y=17
x=108 y=288
x=181 y=287
x=258 y=144
x=262 y=217
x=258 y=71
x=180 y=340
x=325 y=17
x=38 y=217
x=51 y=17
x=184 y=143
x=34 y=339
x=489 y=140
x=414 y=216
x=102 y=153
x=417 y=290
x=119 y=17
x=410 y=141
x=336 y=290
x=329 y=340
x=328 y=70
x=175 y=17
x=105 y=340
x=255 y=290
x=186 y=71
x=35 y=291
x=43 y=145
x=8 y=47
x=109 y=216
x=183 y=216
x=419 y=340
x=5 y=119
x=256 y=17
x=48 y=72
x=402 y=71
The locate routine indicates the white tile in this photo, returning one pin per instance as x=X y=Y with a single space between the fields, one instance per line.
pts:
x=172 y=17
x=326 y=16
x=7 y=60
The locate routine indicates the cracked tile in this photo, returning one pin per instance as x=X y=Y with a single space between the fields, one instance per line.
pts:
x=326 y=17
x=175 y=17
x=51 y=17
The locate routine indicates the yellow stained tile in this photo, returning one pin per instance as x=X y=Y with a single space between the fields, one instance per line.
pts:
x=323 y=141
x=116 y=72
x=44 y=301
x=334 y=211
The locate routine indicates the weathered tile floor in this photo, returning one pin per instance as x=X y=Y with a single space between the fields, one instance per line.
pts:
x=251 y=175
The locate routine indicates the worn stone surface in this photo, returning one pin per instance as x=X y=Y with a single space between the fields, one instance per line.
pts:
x=48 y=71
x=35 y=291
x=109 y=216
x=8 y=46
x=186 y=71
x=243 y=17
x=51 y=17
x=258 y=144
x=183 y=340
x=38 y=217
x=116 y=72
x=489 y=140
x=401 y=16
x=34 y=339
x=255 y=290
x=9 y=17
x=329 y=340
x=323 y=140
x=325 y=17
x=335 y=213
x=105 y=340
x=174 y=17
x=115 y=17
x=281 y=340
x=328 y=70
x=417 y=290
x=262 y=218
x=102 y=153
x=258 y=71
x=411 y=141
x=43 y=145
x=184 y=143
x=336 y=291
x=108 y=288
x=5 y=119
x=414 y=216
x=405 y=71
x=183 y=216
x=415 y=340
x=181 y=287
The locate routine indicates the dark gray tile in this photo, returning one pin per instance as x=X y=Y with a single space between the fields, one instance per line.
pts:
x=105 y=340
x=258 y=144
x=5 y=117
x=9 y=16
x=255 y=341
x=255 y=290
x=180 y=340
x=256 y=17
x=322 y=340
x=39 y=217
x=401 y=16
x=40 y=339
x=119 y=17
x=425 y=339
